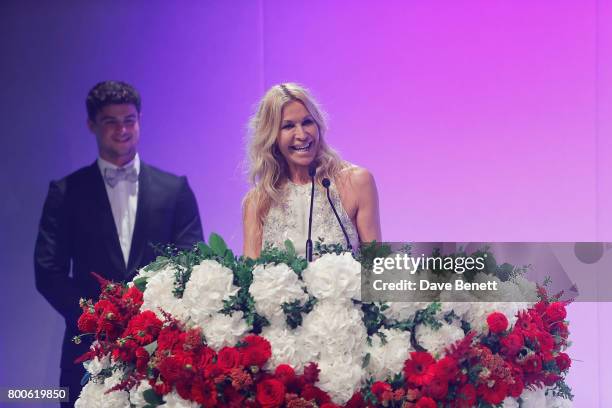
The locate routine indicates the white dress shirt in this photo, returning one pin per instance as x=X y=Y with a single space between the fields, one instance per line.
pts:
x=123 y=198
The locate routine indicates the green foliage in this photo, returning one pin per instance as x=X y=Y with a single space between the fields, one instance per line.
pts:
x=369 y=251
x=293 y=311
x=373 y=319
x=561 y=389
x=152 y=398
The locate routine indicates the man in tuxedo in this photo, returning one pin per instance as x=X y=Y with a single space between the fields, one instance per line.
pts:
x=103 y=217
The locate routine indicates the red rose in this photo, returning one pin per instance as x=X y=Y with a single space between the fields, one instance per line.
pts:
x=270 y=393
x=415 y=368
x=284 y=373
x=426 y=402
x=88 y=322
x=228 y=358
x=466 y=397
x=498 y=322
x=256 y=351
x=205 y=357
x=563 y=361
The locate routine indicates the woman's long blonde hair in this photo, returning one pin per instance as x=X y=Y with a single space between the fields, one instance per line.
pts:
x=268 y=170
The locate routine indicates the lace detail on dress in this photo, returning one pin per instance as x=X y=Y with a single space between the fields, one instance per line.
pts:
x=289 y=220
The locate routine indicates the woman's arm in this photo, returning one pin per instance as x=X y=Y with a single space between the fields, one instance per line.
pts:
x=251 y=228
x=367 y=217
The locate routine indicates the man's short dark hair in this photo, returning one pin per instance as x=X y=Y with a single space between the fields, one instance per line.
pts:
x=110 y=93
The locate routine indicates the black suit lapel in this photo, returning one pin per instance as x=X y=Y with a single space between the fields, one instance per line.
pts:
x=106 y=220
x=140 y=226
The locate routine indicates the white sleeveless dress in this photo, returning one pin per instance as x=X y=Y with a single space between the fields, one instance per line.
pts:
x=289 y=219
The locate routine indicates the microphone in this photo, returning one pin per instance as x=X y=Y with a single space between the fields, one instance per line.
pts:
x=312 y=171
x=326 y=183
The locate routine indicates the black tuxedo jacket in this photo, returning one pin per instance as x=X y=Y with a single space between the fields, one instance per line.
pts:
x=77 y=234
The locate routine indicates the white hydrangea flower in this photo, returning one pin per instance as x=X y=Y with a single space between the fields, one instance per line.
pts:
x=272 y=286
x=222 y=330
x=93 y=395
x=159 y=295
x=403 y=310
x=332 y=330
x=210 y=283
x=435 y=341
x=96 y=365
x=285 y=349
x=339 y=380
x=558 y=402
x=173 y=400
x=136 y=394
x=510 y=402
x=334 y=277
x=388 y=359
x=533 y=398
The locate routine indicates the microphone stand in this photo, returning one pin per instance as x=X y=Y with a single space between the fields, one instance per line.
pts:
x=326 y=183
x=312 y=170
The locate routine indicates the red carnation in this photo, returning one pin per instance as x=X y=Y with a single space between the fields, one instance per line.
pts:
x=437 y=387
x=256 y=351
x=310 y=392
x=204 y=392
x=512 y=344
x=168 y=338
x=205 y=357
x=563 y=361
x=516 y=388
x=144 y=328
x=555 y=313
x=495 y=394
x=426 y=402
x=142 y=359
x=132 y=299
x=466 y=397
x=415 y=368
x=330 y=405
x=228 y=358
x=498 y=322
x=88 y=322
x=270 y=393
x=445 y=368
x=356 y=401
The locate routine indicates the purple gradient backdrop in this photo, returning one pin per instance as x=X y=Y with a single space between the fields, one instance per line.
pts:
x=483 y=121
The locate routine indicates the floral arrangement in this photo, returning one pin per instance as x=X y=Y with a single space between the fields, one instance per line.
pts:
x=206 y=328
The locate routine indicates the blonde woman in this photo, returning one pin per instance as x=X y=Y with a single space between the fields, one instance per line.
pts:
x=287 y=134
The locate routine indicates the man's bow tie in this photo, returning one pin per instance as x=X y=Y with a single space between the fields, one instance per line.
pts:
x=113 y=176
